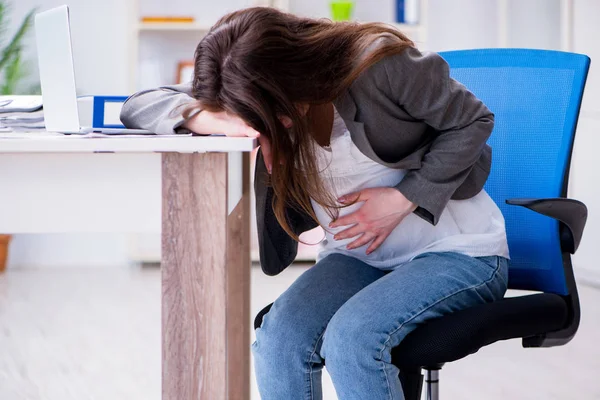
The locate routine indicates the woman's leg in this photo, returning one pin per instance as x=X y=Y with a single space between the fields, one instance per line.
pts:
x=360 y=336
x=286 y=352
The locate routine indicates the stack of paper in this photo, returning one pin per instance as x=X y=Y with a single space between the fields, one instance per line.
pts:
x=21 y=113
x=22 y=121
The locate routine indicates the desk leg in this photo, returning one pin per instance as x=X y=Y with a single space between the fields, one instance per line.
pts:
x=205 y=280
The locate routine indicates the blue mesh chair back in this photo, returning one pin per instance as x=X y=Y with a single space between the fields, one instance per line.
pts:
x=535 y=96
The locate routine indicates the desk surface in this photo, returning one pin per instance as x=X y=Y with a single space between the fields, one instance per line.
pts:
x=46 y=142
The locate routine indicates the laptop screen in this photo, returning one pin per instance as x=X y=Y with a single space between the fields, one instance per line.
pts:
x=57 y=73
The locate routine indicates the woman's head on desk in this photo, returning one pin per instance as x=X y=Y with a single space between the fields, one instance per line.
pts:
x=280 y=73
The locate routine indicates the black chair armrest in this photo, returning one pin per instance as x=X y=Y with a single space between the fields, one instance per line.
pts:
x=572 y=213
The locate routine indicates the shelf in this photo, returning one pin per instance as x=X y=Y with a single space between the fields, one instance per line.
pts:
x=166 y=26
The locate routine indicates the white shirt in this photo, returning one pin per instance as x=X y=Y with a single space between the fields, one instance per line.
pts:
x=474 y=227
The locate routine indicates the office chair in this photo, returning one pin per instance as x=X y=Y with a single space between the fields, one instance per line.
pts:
x=535 y=96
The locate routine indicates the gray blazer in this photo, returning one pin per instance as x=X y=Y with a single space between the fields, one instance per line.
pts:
x=403 y=112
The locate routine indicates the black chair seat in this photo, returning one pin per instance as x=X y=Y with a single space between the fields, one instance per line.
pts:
x=457 y=335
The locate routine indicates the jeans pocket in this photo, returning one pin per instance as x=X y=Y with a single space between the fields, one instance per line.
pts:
x=491 y=261
x=499 y=277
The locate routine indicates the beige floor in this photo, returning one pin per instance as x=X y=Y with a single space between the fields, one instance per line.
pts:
x=95 y=334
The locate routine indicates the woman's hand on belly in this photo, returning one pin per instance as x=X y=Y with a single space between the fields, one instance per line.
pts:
x=383 y=209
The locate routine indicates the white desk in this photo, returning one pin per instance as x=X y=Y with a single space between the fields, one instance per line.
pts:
x=205 y=254
x=45 y=142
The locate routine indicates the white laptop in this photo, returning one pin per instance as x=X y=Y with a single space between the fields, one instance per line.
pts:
x=57 y=75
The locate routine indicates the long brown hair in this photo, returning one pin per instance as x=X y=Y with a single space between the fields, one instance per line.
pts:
x=259 y=63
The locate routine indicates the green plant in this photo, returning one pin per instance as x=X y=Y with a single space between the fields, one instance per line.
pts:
x=12 y=67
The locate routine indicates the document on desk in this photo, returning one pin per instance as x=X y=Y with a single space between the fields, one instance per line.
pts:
x=22 y=121
x=45 y=134
x=10 y=134
x=94 y=135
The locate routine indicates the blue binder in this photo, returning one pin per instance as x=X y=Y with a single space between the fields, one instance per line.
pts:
x=100 y=118
x=101 y=111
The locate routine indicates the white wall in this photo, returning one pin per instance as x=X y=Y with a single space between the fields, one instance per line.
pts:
x=69 y=250
x=99 y=49
x=534 y=24
x=585 y=176
x=462 y=24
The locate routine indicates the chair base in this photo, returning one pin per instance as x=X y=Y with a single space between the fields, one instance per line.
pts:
x=412 y=383
x=433 y=384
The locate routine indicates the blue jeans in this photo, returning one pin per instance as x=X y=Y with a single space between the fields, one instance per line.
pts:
x=351 y=315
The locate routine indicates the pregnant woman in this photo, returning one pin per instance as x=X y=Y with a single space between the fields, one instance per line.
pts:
x=371 y=139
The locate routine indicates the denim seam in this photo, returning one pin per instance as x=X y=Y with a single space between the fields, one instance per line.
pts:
x=421 y=312
x=387 y=381
x=505 y=281
x=310 y=368
x=314 y=351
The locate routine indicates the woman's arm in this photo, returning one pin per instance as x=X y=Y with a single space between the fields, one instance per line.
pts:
x=423 y=87
x=158 y=110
